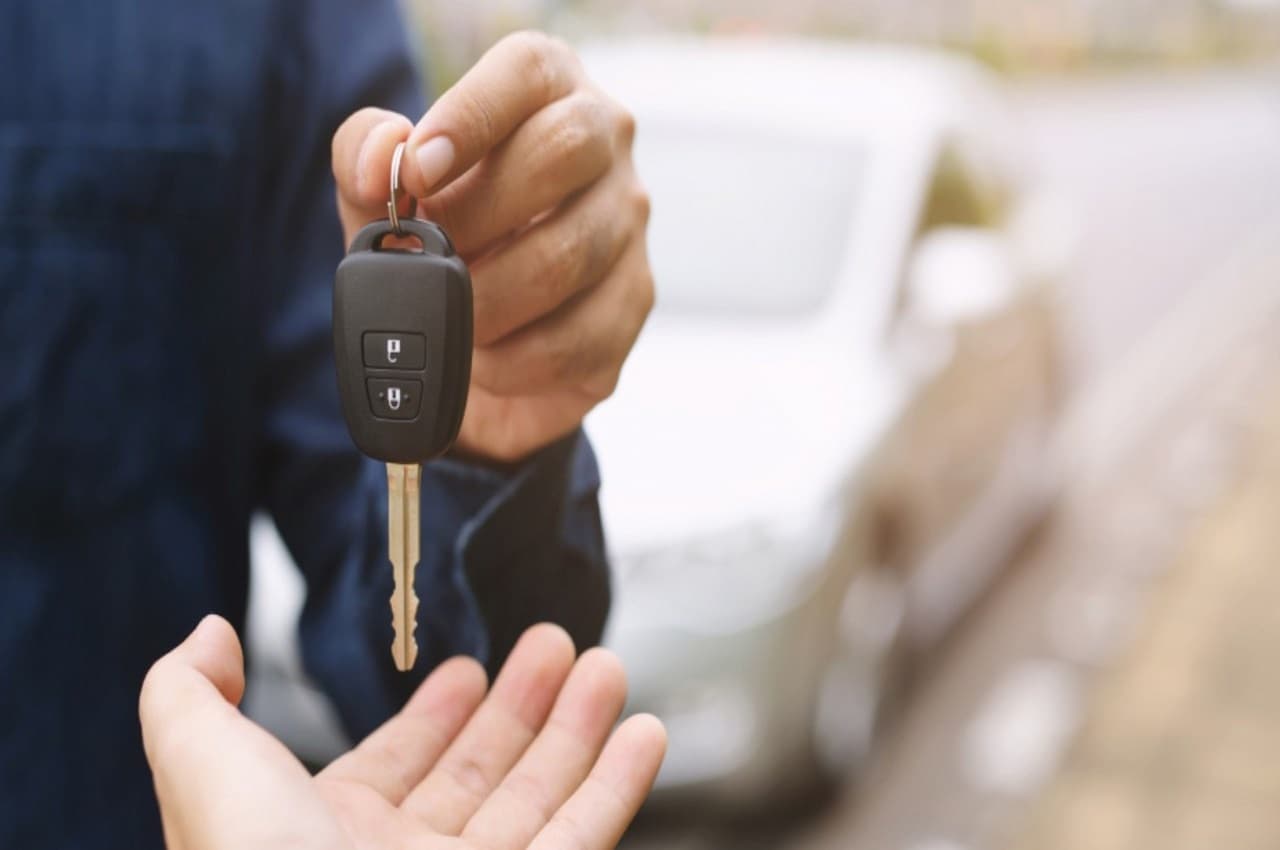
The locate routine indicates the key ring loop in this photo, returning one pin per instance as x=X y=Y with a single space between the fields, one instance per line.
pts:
x=392 y=213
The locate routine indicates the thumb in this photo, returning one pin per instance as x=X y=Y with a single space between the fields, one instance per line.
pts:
x=204 y=674
x=221 y=780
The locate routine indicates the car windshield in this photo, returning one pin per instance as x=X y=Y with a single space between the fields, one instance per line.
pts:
x=747 y=222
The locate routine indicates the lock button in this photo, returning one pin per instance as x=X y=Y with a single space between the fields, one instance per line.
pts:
x=395 y=399
x=394 y=350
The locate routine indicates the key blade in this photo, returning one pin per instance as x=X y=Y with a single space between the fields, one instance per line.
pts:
x=403 y=529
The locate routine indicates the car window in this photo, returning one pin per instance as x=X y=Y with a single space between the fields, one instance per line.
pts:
x=747 y=221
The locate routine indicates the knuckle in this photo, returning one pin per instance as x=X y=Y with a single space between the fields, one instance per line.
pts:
x=480 y=114
x=499 y=438
x=595 y=367
x=534 y=793
x=594 y=241
x=560 y=262
x=564 y=359
x=574 y=134
x=559 y=52
x=647 y=295
x=398 y=772
x=625 y=120
x=508 y=448
x=484 y=370
x=603 y=385
x=579 y=151
x=355 y=131
x=569 y=833
x=469 y=776
x=530 y=42
x=490 y=322
x=641 y=201
x=348 y=131
x=540 y=59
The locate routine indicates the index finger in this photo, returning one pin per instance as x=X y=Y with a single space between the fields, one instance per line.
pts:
x=362 y=151
x=518 y=76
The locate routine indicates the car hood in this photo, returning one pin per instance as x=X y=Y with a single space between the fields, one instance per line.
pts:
x=715 y=426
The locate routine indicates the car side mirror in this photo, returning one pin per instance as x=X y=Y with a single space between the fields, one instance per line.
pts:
x=957 y=275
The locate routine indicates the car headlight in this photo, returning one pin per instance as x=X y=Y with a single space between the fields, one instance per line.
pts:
x=752 y=570
x=713 y=730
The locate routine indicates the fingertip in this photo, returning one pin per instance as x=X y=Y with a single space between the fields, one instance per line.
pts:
x=642 y=740
x=467 y=669
x=607 y=670
x=599 y=655
x=632 y=758
x=548 y=640
x=372 y=176
x=460 y=680
x=210 y=654
x=214 y=650
x=534 y=673
x=594 y=694
x=649 y=732
x=214 y=631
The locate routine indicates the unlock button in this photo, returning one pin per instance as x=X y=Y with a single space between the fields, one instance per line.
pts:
x=394 y=350
x=393 y=399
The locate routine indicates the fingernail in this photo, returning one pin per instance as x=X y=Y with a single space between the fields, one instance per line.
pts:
x=435 y=158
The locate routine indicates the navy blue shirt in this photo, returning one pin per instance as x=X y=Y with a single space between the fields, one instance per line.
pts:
x=168 y=237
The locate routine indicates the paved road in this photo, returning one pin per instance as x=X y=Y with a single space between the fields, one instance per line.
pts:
x=1175 y=182
x=1168 y=176
x=1179 y=747
x=1177 y=186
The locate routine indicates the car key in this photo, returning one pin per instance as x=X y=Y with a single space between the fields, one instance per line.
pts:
x=402 y=328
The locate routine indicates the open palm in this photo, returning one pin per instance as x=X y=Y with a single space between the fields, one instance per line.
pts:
x=529 y=765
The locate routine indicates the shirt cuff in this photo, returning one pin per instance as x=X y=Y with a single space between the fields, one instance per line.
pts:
x=531 y=547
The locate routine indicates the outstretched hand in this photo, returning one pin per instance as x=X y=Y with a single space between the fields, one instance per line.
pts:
x=530 y=764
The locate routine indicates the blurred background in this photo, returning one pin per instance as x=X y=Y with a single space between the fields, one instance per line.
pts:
x=941 y=487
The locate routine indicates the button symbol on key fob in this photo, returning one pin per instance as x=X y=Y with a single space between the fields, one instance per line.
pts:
x=395 y=398
x=393 y=349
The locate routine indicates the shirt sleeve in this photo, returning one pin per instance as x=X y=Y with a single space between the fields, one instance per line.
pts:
x=500 y=550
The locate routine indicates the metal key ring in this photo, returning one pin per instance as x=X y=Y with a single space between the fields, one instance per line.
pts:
x=392 y=213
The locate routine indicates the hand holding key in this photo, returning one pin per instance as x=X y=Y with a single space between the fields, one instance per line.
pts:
x=527 y=166
x=531 y=764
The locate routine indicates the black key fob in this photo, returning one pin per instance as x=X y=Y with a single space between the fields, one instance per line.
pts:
x=402 y=329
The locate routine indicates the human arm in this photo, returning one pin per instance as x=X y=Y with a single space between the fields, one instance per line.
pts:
x=502 y=548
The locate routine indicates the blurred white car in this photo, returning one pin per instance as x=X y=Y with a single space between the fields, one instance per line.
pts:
x=836 y=426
